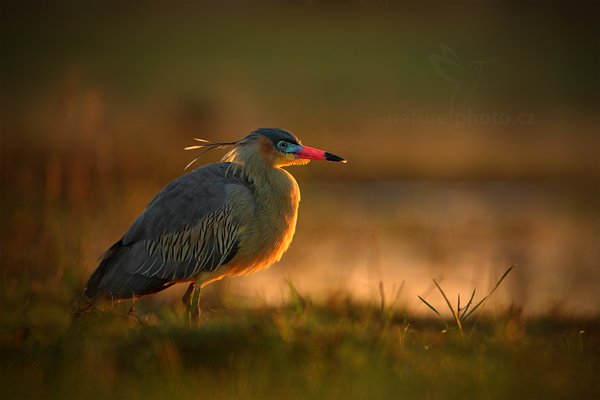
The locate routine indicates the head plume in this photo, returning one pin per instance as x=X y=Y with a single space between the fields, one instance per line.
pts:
x=206 y=146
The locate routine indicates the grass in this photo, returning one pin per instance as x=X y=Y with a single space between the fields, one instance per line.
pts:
x=335 y=349
x=461 y=314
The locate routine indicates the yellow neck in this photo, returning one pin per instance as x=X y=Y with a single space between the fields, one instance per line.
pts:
x=277 y=197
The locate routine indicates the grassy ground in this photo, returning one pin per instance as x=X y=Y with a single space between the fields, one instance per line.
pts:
x=337 y=349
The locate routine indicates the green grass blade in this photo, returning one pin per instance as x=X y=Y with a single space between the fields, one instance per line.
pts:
x=464 y=318
x=452 y=310
x=466 y=308
x=501 y=279
x=296 y=299
x=482 y=302
x=435 y=311
x=443 y=295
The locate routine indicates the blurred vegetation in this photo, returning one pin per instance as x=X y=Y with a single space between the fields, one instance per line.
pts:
x=98 y=99
x=125 y=86
x=338 y=349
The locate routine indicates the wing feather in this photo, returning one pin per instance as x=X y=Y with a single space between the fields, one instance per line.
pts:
x=190 y=226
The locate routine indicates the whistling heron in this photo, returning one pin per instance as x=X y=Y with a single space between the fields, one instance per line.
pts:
x=223 y=219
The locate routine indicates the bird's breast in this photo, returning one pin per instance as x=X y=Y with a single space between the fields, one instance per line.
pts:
x=270 y=231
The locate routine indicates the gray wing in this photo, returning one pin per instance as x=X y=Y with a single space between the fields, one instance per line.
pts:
x=190 y=226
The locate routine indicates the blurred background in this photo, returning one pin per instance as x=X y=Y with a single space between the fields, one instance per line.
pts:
x=471 y=130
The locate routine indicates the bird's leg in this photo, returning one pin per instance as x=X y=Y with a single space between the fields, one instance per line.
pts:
x=186 y=301
x=191 y=302
x=195 y=304
x=188 y=296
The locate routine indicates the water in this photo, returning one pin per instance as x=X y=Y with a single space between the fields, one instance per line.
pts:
x=351 y=237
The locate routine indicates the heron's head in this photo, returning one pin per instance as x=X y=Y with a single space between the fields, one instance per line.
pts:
x=280 y=148
x=271 y=147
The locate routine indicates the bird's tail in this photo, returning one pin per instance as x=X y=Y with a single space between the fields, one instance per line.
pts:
x=93 y=284
x=112 y=280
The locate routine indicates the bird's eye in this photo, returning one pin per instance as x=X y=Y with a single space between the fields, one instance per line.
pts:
x=283 y=145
